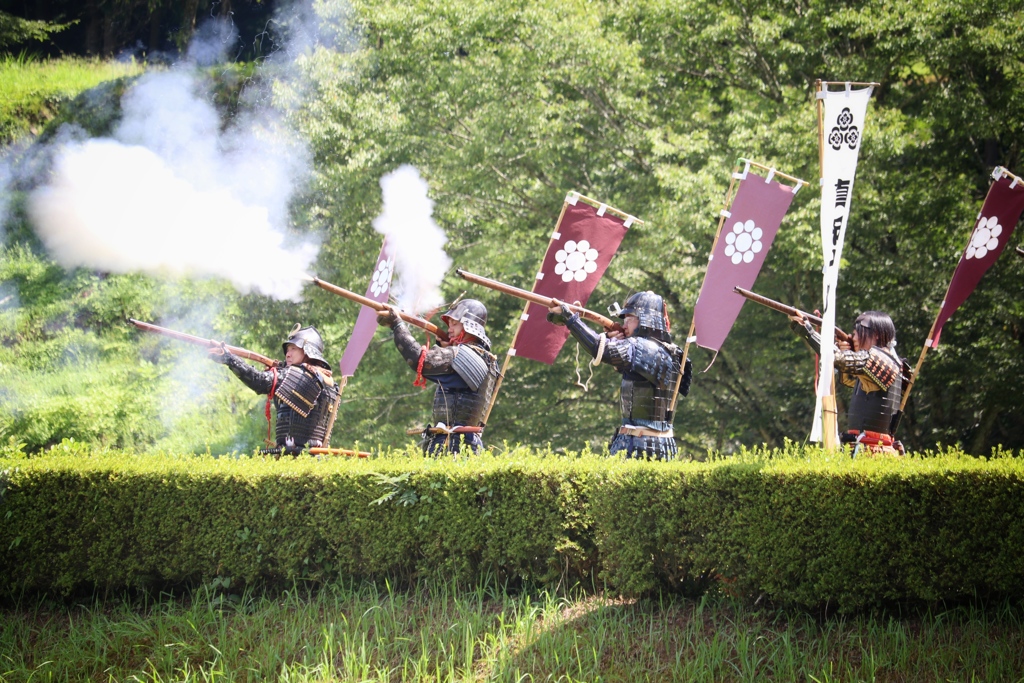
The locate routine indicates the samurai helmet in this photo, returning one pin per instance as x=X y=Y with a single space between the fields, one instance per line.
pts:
x=312 y=344
x=649 y=308
x=473 y=316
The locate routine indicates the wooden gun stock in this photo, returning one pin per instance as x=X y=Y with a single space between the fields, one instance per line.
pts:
x=377 y=306
x=539 y=299
x=200 y=341
x=790 y=311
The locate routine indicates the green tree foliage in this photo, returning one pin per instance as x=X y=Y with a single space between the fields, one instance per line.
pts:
x=645 y=105
x=505 y=106
x=15 y=30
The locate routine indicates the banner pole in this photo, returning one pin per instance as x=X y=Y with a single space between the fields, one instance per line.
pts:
x=693 y=318
x=917 y=368
x=931 y=332
x=504 y=366
x=515 y=336
x=829 y=412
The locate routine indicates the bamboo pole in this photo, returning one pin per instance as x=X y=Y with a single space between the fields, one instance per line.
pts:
x=526 y=307
x=608 y=209
x=777 y=172
x=863 y=84
x=997 y=174
x=829 y=412
x=693 y=318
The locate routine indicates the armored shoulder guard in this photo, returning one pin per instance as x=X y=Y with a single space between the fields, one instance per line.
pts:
x=877 y=365
x=656 y=361
x=470 y=365
x=299 y=389
x=882 y=368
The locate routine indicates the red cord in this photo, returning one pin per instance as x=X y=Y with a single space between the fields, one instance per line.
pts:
x=266 y=410
x=420 y=381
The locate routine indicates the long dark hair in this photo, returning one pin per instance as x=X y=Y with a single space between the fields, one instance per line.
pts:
x=877 y=324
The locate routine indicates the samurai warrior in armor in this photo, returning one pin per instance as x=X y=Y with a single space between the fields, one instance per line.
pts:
x=876 y=373
x=643 y=353
x=303 y=391
x=464 y=370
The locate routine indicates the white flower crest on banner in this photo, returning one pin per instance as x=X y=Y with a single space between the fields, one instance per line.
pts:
x=575 y=261
x=985 y=237
x=743 y=242
x=382 y=276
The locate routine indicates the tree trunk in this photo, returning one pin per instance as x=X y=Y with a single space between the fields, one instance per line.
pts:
x=154 y=30
x=188 y=23
x=92 y=28
x=109 y=33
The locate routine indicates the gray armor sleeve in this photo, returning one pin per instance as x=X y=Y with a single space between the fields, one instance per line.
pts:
x=438 y=360
x=258 y=381
x=617 y=352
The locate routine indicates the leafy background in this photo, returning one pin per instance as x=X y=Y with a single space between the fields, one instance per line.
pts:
x=504 y=106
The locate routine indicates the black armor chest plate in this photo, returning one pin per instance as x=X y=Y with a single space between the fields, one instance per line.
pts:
x=648 y=384
x=303 y=391
x=463 y=405
x=873 y=411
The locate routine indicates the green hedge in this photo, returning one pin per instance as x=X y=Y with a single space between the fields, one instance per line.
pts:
x=796 y=526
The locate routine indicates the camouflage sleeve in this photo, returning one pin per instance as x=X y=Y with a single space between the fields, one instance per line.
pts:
x=438 y=359
x=259 y=381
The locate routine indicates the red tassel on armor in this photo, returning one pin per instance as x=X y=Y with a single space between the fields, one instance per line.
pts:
x=420 y=381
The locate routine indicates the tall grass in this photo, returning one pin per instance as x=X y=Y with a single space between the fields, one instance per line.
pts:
x=33 y=90
x=435 y=631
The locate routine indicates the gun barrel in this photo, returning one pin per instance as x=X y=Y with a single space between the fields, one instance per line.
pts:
x=533 y=297
x=378 y=306
x=789 y=310
x=200 y=341
x=777 y=306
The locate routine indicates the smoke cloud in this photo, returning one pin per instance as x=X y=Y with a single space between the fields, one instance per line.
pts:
x=172 y=194
x=407 y=220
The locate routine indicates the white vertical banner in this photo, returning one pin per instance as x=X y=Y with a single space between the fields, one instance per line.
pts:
x=842 y=129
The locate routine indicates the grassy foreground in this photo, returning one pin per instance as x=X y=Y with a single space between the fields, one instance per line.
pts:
x=438 y=632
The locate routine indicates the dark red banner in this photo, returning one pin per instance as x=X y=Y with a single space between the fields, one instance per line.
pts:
x=581 y=248
x=747 y=235
x=998 y=217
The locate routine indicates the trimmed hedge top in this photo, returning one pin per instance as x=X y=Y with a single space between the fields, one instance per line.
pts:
x=797 y=526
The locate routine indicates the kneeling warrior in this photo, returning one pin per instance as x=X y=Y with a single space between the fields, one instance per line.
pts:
x=875 y=372
x=649 y=362
x=464 y=370
x=303 y=391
